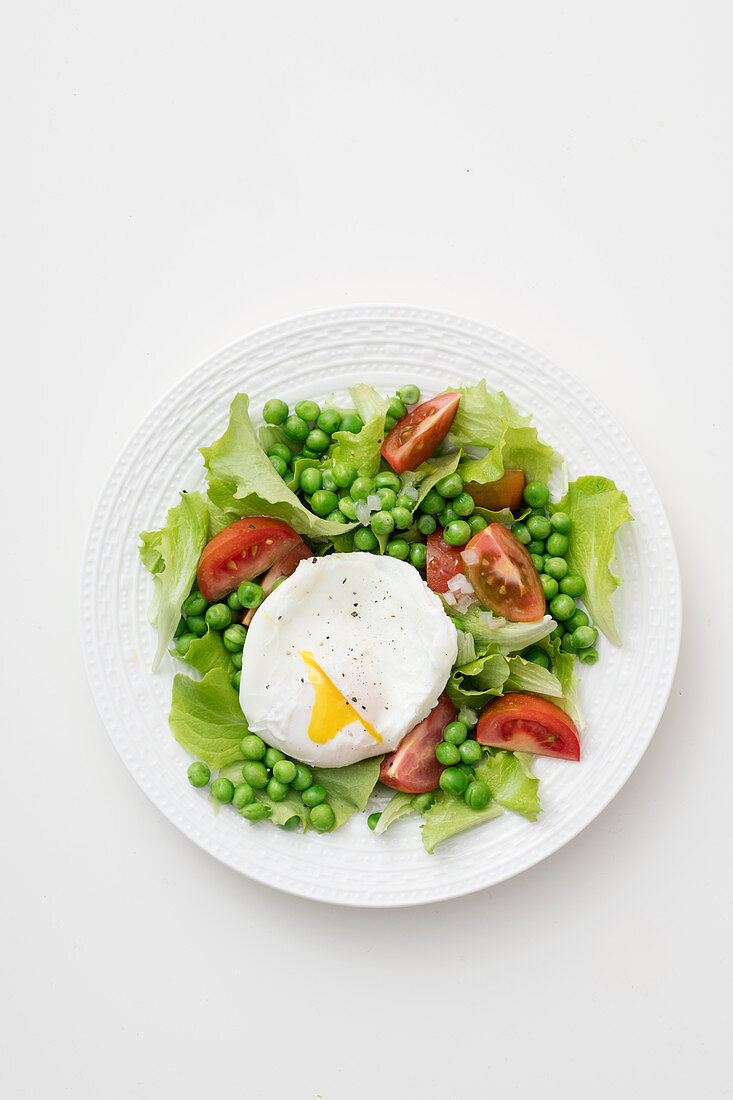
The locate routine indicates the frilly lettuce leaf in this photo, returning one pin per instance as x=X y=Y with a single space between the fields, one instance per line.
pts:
x=509 y=778
x=527 y=676
x=208 y=652
x=482 y=417
x=518 y=448
x=206 y=717
x=398 y=806
x=449 y=816
x=427 y=473
x=172 y=554
x=508 y=638
x=348 y=789
x=597 y=509
x=475 y=683
x=563 y=667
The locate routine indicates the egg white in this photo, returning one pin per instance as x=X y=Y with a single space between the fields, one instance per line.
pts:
x=374 y=628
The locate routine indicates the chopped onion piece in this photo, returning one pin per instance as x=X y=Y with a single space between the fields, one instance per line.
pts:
x=470 y=717
x=374 y=503
x=411 y=492
x=487 y=618
x=363 y=514
x=449 y=598
x=471 y=556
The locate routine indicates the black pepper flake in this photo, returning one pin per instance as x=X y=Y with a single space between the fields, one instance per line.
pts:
x=355 y=614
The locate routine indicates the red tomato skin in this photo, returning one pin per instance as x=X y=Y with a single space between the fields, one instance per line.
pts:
x=506 y=492
x=412 y=766
x=240 y=552
x=285 y=567
x=496 y=543
x=528 y=723
x=416 y=436
x=442 y=563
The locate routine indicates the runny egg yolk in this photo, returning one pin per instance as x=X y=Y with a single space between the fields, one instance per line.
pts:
x=331 y=712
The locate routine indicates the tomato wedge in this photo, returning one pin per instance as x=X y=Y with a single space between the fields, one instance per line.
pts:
x=412 y=767
x=285 y=567
x=527 y=723
x=443 y=562
x=503 y=575
x=505 y=492
x=417 y=435
x=242 y=551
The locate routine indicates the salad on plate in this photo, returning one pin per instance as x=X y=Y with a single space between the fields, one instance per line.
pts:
x=382 y=594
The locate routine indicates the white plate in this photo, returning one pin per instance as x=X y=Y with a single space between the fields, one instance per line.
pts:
x=623 y=696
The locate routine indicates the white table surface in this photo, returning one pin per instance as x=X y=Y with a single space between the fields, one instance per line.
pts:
x=179 y=174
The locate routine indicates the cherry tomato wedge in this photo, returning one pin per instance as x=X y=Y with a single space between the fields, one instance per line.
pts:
x=242 y=551
x=503 y=575
x=505 y=492
x=285 y=567
x=421 y=432
x=443 y=562
x=412 y=767
x=527 y=723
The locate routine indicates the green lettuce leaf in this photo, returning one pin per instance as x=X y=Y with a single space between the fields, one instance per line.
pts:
x=563 y=667
x=429 y=472
x=174 y=552
x=449 y=816
x=270 y=434
x=242 y=480
x=399 y=804
x=348 y=788
x=518 y=448
x=509 y=777
x=206 y=717
x=508 y=638
x=527 y=676
x=466 y=649
x=367 y=402
x=474 y=684
x=208 y=652
x=363 y=450
x=597 y=509
x=482 y=416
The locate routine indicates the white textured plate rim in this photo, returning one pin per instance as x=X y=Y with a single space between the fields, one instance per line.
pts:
x=275 y=331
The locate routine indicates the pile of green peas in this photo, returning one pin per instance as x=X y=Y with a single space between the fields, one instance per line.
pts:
x=271 y=771
x=198 y=616
x=547 y=538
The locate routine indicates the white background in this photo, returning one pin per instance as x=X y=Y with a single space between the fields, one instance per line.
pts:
x=179 y=174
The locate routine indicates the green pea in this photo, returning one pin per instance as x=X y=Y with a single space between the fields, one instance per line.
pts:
x=329 y=421
x=183 y=641
x=450 y=486
x=463 y=504
x=296 y=428
x=362 y=488
x=272 y=757
x=258 y=811
x=351 y=423
x=387 y=479
x=382 y=523
x=477 y=523
x=236 y=659
x=365 y=540
x=455 y=733
x=402 y=518
x=329 y=481
x=337 y=516
x=284 y=771
x=344 y=475
x=477 y=795
x=373 y=820
x=346 y=505
x=588 y=656
x=308 y=410
x=250 y=594
x=276 y=790
x=536 y=494
x=396 y=408
x=310 y=480
x=317 y=440
x=314 y=795
x=255 y=773
x=584 y=637
x=446 y=753
x=409 y=394
x=537 y=561
x=521 y=532
x=219 y=616
x=252 y=747
x=446 y=516
x=390 y=422
x=427 y=524
x=558 y=545
x=233 y=601
x=303 y=778
x=323 y=502
x=387 y=497
x=453 y=780
x=578 y=618
x=536 y=546
x=222 y=789
x=561 y=522
x=419 y=555
x=398 y=548
x=196 y=624
x=243 y=796
x=567 y=644
x=275 y=411
x=233 y=637
x=572 y=584
x=458 y=533
x=538 y=526
x=556 y=567
x=467 y=771
x=236 y=679
x=322 y=818
x=471 y=752
x=549 y=586
x=308 y=453
x=279 y=466
x=557 y=634
x=198 y=773
x=562 y=607
x=432 y=503
x=292 y=823
x=281 y=451
x=404 y=501
x=423 y=802
x=195 y=604
x=537 y=657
